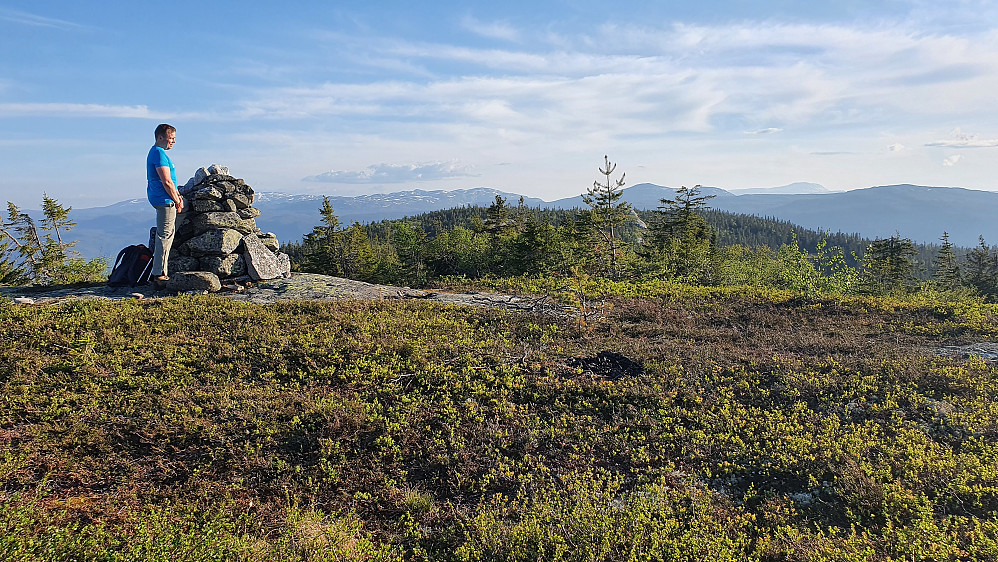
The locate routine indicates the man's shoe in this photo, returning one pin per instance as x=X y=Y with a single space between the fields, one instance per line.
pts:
x=159 y=281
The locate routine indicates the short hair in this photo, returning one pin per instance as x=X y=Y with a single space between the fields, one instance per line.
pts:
x=163 y=129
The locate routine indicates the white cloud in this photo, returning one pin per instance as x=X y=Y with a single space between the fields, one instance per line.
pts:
x=952 y=160
x=975 y=143
x=759 y=77
x=492 y=30
x=963 y=140
x=394 y=173
x=484 y=58
x=681 y=100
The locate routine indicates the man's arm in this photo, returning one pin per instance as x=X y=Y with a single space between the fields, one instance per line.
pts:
x=171 y=190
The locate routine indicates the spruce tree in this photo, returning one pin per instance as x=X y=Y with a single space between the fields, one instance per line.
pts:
x=497 y=216
x=357 y=258
x=409 y=243
x=889 y=265
x=322 y=246
x=535 y=249
x=55 y=252
x=47 y=259
x=56 y=219
x=11 y=271
x=946 y=266
x=680 y=239
x=607 y=212
x=981 y=269
x=20 y=229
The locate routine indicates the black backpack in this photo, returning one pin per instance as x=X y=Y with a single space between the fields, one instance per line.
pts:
x=132 y=267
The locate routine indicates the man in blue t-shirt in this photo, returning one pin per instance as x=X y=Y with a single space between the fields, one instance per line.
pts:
x=163 y=195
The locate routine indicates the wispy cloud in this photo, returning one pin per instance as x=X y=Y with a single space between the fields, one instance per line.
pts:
x=95 y=110
x=492 y=30
x=719 y=97
x=759 y=77
x=35 y=20
x=963 y=140
x=394 y=173
x=957 y=14
x=73 y=110
x=977 y=143
x=951 y=161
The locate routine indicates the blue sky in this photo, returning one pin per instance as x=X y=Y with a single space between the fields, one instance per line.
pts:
x=346 y=98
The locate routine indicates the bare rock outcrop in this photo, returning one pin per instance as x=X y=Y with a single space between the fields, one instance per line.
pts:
x=193 y=281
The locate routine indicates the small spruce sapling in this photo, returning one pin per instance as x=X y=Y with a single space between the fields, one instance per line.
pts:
x=607 y=212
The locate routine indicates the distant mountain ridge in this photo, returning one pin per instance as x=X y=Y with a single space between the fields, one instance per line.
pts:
x=921 y=213
x=103 y=231
x=798 y=188
x=918 y=212
x=292 y=216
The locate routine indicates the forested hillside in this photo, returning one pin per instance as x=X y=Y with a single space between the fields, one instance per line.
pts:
x=730 y=228
x=503 y=240
x=904 y=210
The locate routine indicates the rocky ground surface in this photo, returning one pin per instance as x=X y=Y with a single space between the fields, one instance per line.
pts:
x=300 y=286
x=985 y=350
x=310 y=286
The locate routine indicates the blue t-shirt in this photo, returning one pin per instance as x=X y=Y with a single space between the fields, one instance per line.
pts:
x=155 y=190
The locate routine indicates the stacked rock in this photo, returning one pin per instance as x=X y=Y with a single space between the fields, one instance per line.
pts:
x=217 y=239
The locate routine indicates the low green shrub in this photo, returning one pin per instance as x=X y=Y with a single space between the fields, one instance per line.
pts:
x=687 y=423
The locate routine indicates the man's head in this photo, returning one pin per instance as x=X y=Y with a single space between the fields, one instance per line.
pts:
x=166 y=135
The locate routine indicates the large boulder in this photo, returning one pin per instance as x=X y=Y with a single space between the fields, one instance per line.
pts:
x=179 y=263
x=198 y=281
x=209 y=193
x=284 y=261
x=184 y=233
x=232 y=265
x=249 y=213
x=270 y=241
x=210 y=221
x=209 y=206
x=225 y=186
x=217 y=242
x=242 y=200
x=219 y=178
x=261 y=263
x=192 y=184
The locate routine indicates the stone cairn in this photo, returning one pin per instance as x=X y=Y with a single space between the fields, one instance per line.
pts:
x=217 y=242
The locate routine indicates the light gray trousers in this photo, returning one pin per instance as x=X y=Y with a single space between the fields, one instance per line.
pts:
x=166 y=218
